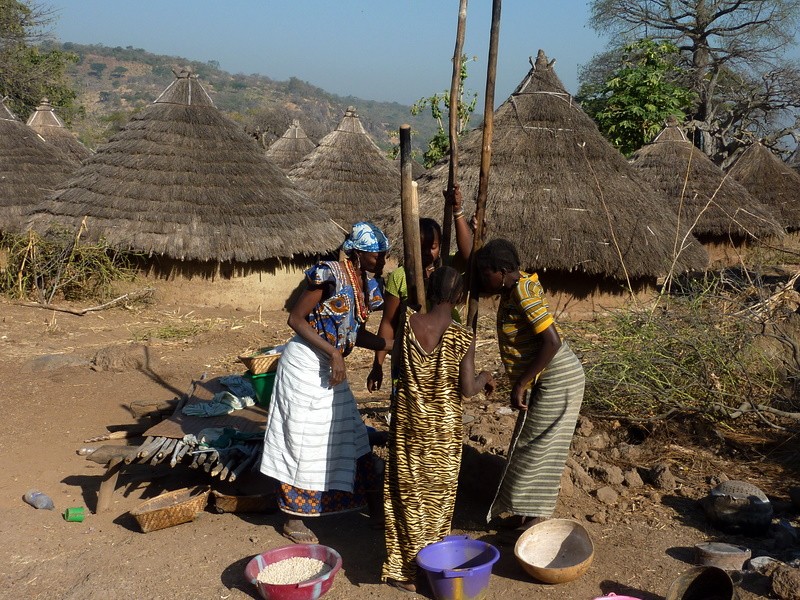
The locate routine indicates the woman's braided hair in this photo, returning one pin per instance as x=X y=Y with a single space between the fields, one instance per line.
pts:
x=445 y=285
x=497 y=255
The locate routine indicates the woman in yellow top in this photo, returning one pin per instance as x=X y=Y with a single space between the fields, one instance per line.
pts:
x=547 y=387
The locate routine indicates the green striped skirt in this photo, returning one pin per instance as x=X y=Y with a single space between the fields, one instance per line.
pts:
x=542 y=437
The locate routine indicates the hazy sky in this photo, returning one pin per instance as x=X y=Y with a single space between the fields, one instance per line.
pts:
x=396 y=50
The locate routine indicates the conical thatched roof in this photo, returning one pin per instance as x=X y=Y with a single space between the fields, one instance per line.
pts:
x=30 y=169
x=558 y=190
x=47 y=124
x=770 y=180
x=292 y=146
x=182 y=180
x=700 y=191
x=347 y=175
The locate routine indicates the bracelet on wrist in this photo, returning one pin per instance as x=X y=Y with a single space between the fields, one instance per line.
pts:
x=460 y=216
x=458 y=212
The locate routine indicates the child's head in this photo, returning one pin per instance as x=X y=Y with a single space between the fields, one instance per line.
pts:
x=430 y=235
x=446 y=285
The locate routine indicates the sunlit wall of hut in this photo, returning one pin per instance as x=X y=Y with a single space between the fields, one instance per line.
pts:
x=348 y=175
x=30 y=169
x=291 y=147
x=214 y=220
x=720 y=212
x=47 y=124
x=576 y=210
x=771 y=181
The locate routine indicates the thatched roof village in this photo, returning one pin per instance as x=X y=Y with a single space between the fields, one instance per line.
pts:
x=772 y=181
x=47 y=124
x=348 y=175
x=714 y=205
x=30 y=169
x=291 y=147
x=183 y=181
x=562 y=194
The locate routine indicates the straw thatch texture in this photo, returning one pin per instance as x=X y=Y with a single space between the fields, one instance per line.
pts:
x=561 y=193
x=292 y=146
x=47 y=124
x=183 y=181
x=699 y=191
x=775 y=184
x=30 y=169
x=348 y=176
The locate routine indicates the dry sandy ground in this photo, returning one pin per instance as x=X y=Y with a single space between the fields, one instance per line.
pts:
x=53 y=399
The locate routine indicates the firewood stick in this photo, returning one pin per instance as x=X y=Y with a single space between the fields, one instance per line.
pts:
x=147 y=454
x=217 y=469
x=153 y=446
x=243 y=465
x=163 y=452
x=183 y=452
x=175 y=452
x=213 y=458
x=134 y=455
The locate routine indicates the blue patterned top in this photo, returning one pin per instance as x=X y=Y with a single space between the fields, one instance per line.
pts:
x=336 y=319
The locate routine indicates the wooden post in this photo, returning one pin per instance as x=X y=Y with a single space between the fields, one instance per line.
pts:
x=409 y=208
x=455 y=95
x=486 y=159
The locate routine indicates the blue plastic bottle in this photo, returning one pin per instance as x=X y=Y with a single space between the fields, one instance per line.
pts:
x=38 y=499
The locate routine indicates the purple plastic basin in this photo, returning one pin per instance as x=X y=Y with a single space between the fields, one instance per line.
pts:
x=458 y=567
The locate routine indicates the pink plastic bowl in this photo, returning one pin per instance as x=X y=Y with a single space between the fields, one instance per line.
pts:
x=305 y=590
x=613 y=596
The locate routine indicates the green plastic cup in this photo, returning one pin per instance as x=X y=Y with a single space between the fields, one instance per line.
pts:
x=74 y=514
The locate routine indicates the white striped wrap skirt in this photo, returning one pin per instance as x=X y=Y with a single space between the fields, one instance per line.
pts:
x=314 y=434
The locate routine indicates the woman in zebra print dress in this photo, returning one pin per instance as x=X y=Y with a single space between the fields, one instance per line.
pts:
x=433 y=365
x=548 y=384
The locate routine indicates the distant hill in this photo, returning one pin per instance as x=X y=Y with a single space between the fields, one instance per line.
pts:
x=114 y=83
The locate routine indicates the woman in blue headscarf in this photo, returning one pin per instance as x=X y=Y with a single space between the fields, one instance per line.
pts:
x=316 y=444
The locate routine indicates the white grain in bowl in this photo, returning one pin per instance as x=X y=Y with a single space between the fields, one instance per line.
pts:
x=293 y=570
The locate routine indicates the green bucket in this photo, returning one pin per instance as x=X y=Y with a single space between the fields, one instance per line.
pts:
x=262 y=384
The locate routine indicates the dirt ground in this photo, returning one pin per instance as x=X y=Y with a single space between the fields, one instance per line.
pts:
x=55 y=397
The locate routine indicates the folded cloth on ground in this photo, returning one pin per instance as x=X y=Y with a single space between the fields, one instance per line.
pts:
x=222 y=403
x=238 y=385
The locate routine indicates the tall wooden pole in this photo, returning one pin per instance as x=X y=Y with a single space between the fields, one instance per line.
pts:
x=455 y=96
x=486 y=160
x=409 y=210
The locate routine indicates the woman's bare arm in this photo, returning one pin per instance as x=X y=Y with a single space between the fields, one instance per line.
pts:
x=470 y=383
x=551 y=342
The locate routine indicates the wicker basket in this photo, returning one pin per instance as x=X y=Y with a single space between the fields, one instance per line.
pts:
x=255 y=503
x=171 y=508
x=260 y=362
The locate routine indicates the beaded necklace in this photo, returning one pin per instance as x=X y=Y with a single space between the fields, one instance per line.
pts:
x=361 y=308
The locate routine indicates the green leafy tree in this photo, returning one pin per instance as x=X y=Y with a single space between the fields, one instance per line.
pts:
x=439 y=104
x=631 y=106
x=29 y=72
x=734 y=56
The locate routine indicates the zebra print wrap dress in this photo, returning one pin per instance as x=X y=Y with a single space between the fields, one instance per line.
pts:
x=425 y=436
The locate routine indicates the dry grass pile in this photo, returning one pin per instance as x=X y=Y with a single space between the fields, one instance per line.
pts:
x=60 y=265
x=701 y=352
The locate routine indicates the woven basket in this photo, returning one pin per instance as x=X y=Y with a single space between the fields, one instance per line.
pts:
x=171 y=508
x=260 y=362
x=255 y=503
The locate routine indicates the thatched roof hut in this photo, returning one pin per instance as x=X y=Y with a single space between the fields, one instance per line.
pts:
x=567 y=199
x=47 y=124
x=770 y=180
x=183 y=181
x=701 y=194
x=30 y=169
x=291 y=147
x=348 y=175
